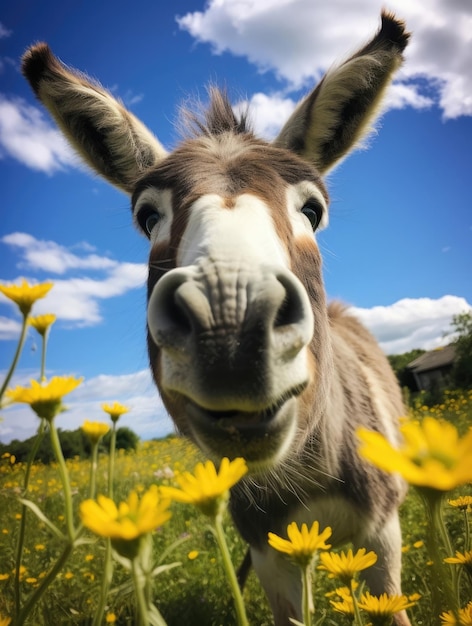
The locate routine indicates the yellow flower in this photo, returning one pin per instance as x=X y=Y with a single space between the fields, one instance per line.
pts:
x=346 y=606
x=414 y=597
x=4 y=621
x=383 y=605
x=4 y=576
x=68 y=575
x=192 y=555
x=206 y=488
x=448 y=619
x=25 y=295
x=463 y=503
x=127 y=522
x=45 y=398
x=432 y=454
x=110 y=618
x=95 y=430
x=39 y=547
x=344 y=566
x=461 y=559
x=465 y=617
x=41 y=323
x=301 y=545
x=343 y=592
x=418 y=544
x=115 y=410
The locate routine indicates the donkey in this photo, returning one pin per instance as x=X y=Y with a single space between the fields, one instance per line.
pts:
x=249 y=359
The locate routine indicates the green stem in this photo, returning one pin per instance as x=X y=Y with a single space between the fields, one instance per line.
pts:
x=111 y=461
x=93 y=470
x=230 y=573
x=357 y=614
x=439 y=546
x=108 y=564
x=46 y=581
x=106 y=581
x=460 y=570
x=142 y=617
x=56 y=446
x=42 y=375
x=21 y=533
x=307 y=595
x=14 y=363
x=467 y=531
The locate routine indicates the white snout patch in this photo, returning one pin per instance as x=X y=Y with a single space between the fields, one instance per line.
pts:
x=244 y=231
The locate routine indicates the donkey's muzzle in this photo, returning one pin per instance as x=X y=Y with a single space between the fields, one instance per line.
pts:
x=231 y=341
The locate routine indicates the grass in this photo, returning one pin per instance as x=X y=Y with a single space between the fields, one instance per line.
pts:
x=195 y=592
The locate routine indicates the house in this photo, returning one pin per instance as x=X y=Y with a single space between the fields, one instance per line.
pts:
x=431 y=369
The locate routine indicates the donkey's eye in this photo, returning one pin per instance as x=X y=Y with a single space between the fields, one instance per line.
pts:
x=147 y=217
x=314 y=212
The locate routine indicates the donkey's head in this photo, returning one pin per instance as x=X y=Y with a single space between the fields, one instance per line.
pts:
x=238 y=333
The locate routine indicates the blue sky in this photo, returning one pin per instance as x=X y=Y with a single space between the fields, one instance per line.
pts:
x=399 y=245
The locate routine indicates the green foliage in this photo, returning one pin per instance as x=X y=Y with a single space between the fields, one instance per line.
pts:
x=462 y=370
x=73 y=442
x=126 y=439
x=399 y=363
x=195 y=592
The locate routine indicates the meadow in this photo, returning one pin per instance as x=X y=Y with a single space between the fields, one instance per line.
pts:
x=194 y=592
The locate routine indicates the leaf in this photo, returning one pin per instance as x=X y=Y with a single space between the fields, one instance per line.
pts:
x=123 y=589
x=37 y=511
x=122 y=560
x=172 y=547
x=154 y=617
x=164 y=568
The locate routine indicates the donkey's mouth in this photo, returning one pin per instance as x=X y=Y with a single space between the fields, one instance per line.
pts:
x=243 y=418
x=260 y=437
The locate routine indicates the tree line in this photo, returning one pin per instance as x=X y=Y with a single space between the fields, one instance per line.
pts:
x=73 y=442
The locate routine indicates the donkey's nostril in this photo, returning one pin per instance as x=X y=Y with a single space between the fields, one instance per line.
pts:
x=177 y=313
x=293 y=309
x=286 y=314
x=166 y=312
x=177 y=308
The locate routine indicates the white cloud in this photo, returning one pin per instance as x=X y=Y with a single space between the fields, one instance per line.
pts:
x=412 y=322
x=147 y=416
x=267 y=113
x=401 y=95
x=52 y=257
x=300 y=39
x=4 y=32
x=74 y=299
x=9 y=329
x=27 y=136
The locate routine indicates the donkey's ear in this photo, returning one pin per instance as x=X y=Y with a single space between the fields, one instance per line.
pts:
x=107 y=136
x=339 y=113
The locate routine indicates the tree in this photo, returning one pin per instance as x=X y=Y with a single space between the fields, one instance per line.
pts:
x=399 y=363
x=126 y=439
x=462 y=369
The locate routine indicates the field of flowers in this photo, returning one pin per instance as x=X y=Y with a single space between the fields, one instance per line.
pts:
x=143 y=538
x=193 y=591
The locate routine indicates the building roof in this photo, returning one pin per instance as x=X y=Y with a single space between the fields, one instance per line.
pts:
x=435 y=359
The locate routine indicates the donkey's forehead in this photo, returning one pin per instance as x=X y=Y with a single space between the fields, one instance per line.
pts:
x=228 y=165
